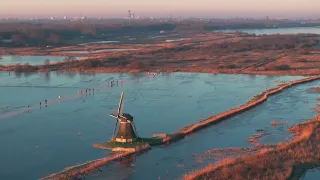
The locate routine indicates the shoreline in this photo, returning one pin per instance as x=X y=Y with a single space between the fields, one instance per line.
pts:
x=285 y=161
x=190 y=129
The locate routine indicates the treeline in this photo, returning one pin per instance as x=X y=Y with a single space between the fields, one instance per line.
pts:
x=44 y=33
x=28 y=34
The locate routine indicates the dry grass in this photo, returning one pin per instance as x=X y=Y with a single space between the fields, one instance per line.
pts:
x=216 y=52
x=90 y=167
x=270 y=163
x=254 y=139
x=275 y=123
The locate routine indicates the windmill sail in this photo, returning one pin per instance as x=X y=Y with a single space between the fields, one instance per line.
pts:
x=120 y=105
x=114 y=114
x=119 y=112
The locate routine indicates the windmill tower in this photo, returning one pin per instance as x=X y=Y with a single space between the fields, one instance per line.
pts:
x=126 y=131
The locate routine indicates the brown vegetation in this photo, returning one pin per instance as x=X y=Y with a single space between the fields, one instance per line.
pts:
x=210 y=53
x=271 y=163
x=253 y=139
x=81 y=170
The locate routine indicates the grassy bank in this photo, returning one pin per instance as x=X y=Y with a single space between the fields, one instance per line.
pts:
x=285 y=161
x=91 y=166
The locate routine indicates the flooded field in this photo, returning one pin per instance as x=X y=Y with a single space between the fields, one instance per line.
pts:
x=32 y=60
x=47 y=139
x=290 y=107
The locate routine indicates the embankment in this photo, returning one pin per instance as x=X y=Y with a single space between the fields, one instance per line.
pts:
x=92 y=166
x=232 y=112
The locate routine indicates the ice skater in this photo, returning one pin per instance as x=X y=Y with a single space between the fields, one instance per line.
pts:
x=5 y=107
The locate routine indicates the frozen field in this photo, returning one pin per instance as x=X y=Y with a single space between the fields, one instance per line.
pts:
x=38 y=142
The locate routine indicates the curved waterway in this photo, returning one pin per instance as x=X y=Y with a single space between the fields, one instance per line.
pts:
x=42 y=141
x=292 y=106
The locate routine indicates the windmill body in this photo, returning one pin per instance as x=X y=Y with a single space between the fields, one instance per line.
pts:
x=126 y=131
x=125 y=137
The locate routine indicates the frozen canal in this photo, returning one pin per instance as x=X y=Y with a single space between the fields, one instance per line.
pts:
x=42 y=141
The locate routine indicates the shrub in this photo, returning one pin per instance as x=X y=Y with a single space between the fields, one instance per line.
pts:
x=24 y=68
x=231 y=66
x=282 y=67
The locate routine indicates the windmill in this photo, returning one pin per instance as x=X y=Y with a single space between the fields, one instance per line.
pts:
x=127 y=132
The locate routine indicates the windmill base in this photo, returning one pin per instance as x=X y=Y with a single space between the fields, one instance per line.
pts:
x=134 y=146
x=124 y=147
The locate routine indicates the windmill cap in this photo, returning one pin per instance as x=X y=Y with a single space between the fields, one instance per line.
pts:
x=127 y=116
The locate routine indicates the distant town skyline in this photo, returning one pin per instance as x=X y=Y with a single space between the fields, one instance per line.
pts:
x=162 y=8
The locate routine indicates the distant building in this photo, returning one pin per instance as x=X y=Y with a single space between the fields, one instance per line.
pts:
x=129 y=14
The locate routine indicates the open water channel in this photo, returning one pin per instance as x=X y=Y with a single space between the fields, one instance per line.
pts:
x=40 y=141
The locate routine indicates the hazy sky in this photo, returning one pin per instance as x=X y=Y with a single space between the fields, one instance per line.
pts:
x=186 y=8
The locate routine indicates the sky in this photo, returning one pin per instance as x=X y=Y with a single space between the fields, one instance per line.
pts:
x=162 y=8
